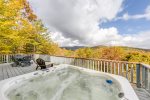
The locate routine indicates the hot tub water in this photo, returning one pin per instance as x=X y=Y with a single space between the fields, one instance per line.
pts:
x=64 y=84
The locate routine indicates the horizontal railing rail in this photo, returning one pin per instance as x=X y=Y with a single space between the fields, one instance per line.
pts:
x=136 y=73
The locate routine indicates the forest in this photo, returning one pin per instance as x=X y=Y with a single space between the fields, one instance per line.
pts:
x=22 y=32
x=112 y=53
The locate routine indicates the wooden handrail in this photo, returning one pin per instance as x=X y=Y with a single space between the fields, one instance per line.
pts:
x=145 y=65
x=98 y=59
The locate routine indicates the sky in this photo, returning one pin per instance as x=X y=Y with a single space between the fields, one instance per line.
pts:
x=96 y=22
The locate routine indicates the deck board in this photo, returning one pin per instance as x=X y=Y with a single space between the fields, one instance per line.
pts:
x=1 y=73
x=10 y=74
x=7 y=71
x=142 y=94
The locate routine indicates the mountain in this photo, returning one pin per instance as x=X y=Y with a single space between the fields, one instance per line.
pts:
x=100 y=46
x=124 y=47
x=73 y=47
x=78 y=47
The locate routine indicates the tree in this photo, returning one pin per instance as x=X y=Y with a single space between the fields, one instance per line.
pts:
x=113 y=53
x=21 y=31
x=84 y=53
x=138 y=56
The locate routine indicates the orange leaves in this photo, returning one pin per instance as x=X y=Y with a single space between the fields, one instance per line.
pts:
x=113 y=53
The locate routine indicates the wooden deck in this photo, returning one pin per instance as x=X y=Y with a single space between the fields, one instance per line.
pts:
x=6 y=71
x=142 y=94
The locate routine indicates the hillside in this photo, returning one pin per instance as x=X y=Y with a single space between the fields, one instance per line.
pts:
x=101 y=46
x=73 y=47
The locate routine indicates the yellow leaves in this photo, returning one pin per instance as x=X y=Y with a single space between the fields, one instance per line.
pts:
x=138 y=56
x=112 y=53
x=10 y=8
x=7 y=23
x=19 y=27
x=85 y=53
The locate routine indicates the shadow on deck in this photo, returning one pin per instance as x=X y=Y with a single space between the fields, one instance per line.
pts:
x=7 y=71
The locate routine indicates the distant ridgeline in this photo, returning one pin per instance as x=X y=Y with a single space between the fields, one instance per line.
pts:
x=21 y=31
x=101 y=46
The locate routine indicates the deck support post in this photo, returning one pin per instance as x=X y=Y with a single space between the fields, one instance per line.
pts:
x=138 y=76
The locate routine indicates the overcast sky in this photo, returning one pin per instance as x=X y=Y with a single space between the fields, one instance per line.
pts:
x=96 y=22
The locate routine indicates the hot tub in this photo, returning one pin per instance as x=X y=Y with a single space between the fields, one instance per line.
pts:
x=66 y=82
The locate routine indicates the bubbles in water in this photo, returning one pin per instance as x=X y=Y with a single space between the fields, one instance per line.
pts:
x=65 y=84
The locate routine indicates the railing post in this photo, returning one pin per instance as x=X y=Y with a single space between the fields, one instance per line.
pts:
x=146 y=78
x=138 y=75
x=101 y=66
x=118 y=67
x=132 y=73
x=127 y=67
x=104 y=66
x=122 y=69
x=107 y=66
x=114 y=68
x=111 y=69
x=149 y=80
x=143 y=76
x=89 y=64
x=7 y=61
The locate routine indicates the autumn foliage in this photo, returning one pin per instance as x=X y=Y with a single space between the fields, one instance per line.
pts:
x=21 y=31
x=114 y=53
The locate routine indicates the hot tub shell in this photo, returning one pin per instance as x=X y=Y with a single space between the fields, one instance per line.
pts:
x=126 y=88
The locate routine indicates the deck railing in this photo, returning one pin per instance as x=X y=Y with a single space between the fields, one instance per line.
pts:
x=136 y=73
x=9 y=58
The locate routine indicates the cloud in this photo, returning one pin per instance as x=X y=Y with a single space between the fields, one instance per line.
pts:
x=145 y=15
x=148 y=12
x=135 y=40
x=62 y=41
x=139 y=40
x=78 y=20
